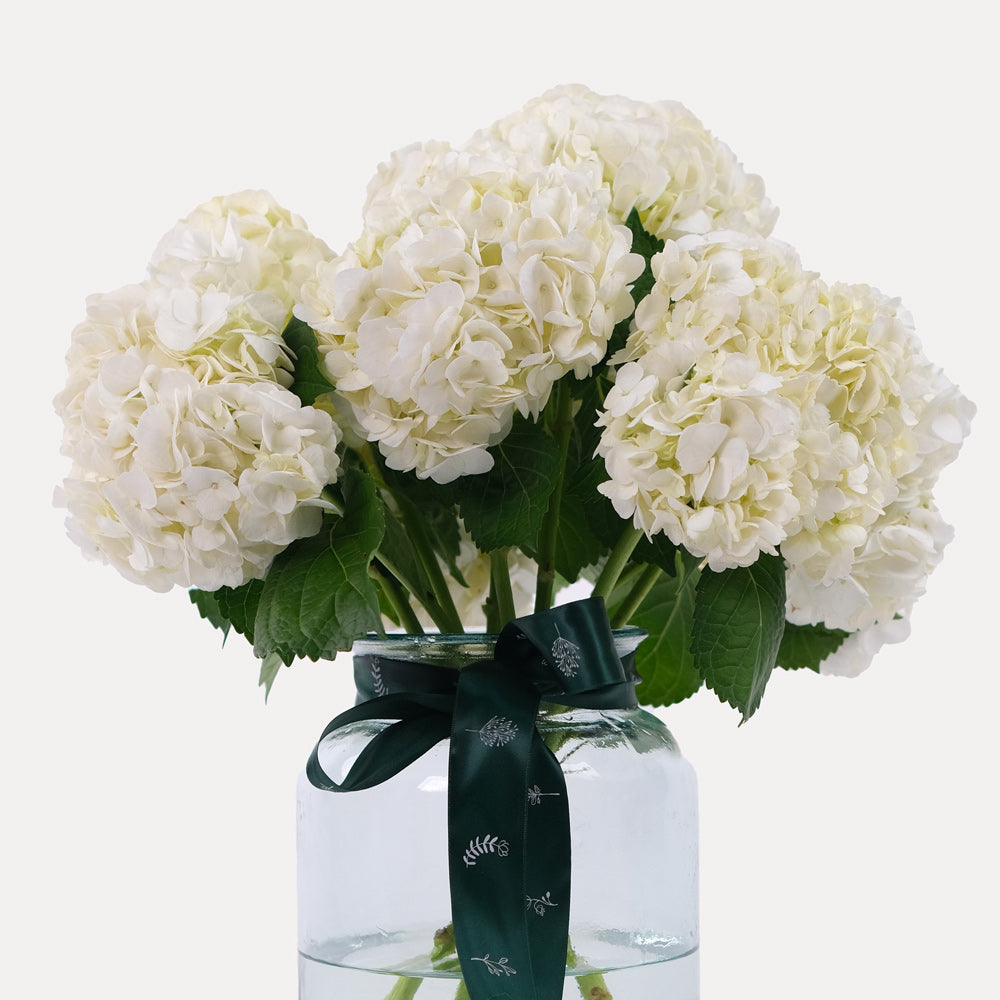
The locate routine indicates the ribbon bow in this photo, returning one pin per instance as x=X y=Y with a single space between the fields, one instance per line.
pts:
x=508 y=814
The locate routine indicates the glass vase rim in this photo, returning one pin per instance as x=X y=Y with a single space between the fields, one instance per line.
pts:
x=626 y=639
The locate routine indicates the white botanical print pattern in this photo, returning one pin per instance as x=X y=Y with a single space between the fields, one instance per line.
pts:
x=500 y=967
x=498 y=732
x=535 y=795
x=567 y=656
x=378 y=684
x=487 y=844
x=541 y=904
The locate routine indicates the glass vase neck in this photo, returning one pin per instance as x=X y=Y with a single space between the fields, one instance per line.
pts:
x=459 y=648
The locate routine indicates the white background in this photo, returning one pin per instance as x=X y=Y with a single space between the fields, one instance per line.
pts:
x=848 y=831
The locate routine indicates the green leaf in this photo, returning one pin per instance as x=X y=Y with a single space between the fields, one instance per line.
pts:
x=398 y=553
x=648 y=245
x=806 y=646
x=584 y=470
x=207 y=604
x=584 y=474
x=239 y=604
x=269 y=668
x=441 y=522
x=318 y=596
x=664 y=660
x=588 y=525
x=309 y=381
x=578 y=545
x=436 y=504
x=739 y=618
x=386 y=608
x=659 y=551
x=505 y=507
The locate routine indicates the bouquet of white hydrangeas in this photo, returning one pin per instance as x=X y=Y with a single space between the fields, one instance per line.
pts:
x=566 y=351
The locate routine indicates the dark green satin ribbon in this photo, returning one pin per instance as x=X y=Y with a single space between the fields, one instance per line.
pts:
x=508 y=814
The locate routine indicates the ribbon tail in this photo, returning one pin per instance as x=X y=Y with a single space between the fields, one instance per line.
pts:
x=511 y=927
x=547 y=870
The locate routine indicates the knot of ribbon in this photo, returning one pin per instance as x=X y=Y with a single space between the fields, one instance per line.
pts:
x=508 y=814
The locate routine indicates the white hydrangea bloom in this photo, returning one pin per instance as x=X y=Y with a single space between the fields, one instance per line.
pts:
x=107 y=353
x=703 y=425
x=861 y=552
x=657 y=158
x=899 y=405
x=856 y=652
x=209 y=484
x=193 y=466
x=869 y=349
x=726 y=291
x=755 y=408
x=222 y=284
x=474 y=287
x=858 y=578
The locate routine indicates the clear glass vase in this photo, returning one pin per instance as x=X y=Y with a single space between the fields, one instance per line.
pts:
x=374 y=908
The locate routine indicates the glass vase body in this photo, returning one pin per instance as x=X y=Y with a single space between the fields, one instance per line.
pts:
x=373 y=885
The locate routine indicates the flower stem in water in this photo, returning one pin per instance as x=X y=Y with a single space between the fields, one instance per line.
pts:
x=405 y=988
x=592 y=985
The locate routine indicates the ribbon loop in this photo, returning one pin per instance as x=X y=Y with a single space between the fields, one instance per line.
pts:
x=508 y=814
x=570 y=654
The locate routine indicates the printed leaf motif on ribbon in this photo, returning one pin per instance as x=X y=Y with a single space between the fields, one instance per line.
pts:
x=485 y=845
x=567 y=656
x=498 y=732
x=540 y=905
x=535 y=795
x=378 y=683
x=498 y=968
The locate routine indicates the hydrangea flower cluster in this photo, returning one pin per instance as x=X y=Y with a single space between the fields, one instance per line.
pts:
x=702 y=424
x=475 y=286
x=655 y=157
x=757 y=407
x=193 y=463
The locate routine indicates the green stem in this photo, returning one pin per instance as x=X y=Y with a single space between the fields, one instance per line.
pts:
x=408 y=584
x=396 y=597
x=635 y=597
x=441 y=607
x=462 y=993
x=332 y=499
x=500 y=584
x=405 y=988
x=443 y=956
x=617 y=560
x=492 y=609
x=548 y=537
x=628 y=579
x=592 y=984
x=449 y=620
